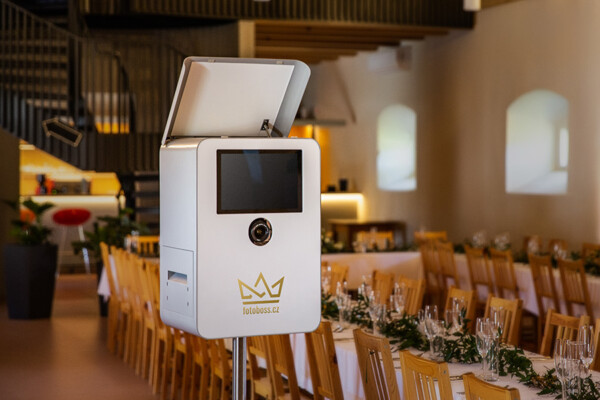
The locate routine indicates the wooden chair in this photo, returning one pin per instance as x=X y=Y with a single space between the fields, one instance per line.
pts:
x=533 y=240
x=384 y=283
x=125 y=300
x=588 y=249
x=338 y=273
x=414 y=290
x=545 y=288
x=221 y=373
x=469 y=298
x=504 y=273
x=146 y=246
x=445 y=257
x=433 y=277
x=512 y=319
x=476 y=389
x=575 y=287
x=200 y=370
x=430 y=236
x=163 y=337
x=480 y=273
x=148 y=323
x=261 y=385
x=181 y=365
x=114 y=304
x=282 y=365
x=559 y=326
x=419 y=378
x=596 y=363
x=554 y=244
x=376 y=367
x=322 y=362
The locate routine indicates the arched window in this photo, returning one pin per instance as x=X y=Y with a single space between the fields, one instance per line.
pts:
x=537 y=144
x=396 y=148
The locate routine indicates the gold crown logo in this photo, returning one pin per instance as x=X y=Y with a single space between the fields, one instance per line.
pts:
x=260 y=289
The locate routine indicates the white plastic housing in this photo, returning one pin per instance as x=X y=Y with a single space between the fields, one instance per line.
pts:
x=208 y=264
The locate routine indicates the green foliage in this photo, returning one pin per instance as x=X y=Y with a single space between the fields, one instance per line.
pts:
x=110 y=230
x=404 y=333
x=29 y=232
x=461 y=347
x=329 y=309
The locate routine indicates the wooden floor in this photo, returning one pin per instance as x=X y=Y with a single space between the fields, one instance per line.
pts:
x=65 y=357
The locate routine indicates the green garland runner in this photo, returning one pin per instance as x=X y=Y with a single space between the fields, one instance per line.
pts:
x=461 y=347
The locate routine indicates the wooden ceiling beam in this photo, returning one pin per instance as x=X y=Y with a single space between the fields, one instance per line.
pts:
x=324 y=27
x=322 y=45
x=354 y=38
x=305 y=50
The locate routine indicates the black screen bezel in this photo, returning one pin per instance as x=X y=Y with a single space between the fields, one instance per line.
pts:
x=262 y=210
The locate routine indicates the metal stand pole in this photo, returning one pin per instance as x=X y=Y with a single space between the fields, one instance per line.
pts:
x=239 y=368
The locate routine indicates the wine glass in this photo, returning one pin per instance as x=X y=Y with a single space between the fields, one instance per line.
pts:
x=497 y=318
x=586 y=346
x=374 y=306
x=573 y=367
x=342 y=301
x=483 y=342
x=430 y=315
x=560 y=364
x=458 y=305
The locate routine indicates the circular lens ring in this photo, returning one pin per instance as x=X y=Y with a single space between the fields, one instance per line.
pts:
x=260 y=232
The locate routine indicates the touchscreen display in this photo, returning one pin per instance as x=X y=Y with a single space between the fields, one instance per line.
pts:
x=252 y=181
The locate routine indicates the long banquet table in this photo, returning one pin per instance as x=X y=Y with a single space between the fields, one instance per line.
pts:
x=409 y=264
x=350 y=375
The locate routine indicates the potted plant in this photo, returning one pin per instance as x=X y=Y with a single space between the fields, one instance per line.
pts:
x=30 y=264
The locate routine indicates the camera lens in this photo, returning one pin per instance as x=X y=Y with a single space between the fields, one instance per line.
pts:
x=260 y=231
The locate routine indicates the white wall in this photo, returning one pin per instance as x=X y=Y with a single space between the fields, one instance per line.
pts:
x=460 y=85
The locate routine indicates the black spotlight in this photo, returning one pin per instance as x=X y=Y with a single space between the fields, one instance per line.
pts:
x=58 y=129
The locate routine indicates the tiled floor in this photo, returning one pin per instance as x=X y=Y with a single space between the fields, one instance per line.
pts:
x=65 y=357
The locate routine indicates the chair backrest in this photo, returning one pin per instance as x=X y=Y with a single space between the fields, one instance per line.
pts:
x=559 y=326
x=110 y=275
x=282 y=365
x=588 y=249
x=445 y=251
x=554 y=244
x=476 y=389
x=512 y=317
x=480 y=273
x=543 y=282
x=469 y=298
x=122 y=274
x=504 y=272
x=430 y=236
x=384 y=283
x=339 y=273
x=414 y=290
x=531 y=242
x=419 y=378
x=376 y=367
x=574 y=283
x=258 y=349
x=147 y=246
x=324 y=371
x=429 y=259
x=219 y=359
x=596 y=363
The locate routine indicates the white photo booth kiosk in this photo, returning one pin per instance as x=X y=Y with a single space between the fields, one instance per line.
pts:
x=239 y=202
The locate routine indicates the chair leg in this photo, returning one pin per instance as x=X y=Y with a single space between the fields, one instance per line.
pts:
x=156 y=367
x=204 y=383
x=186 y=374
x=194 y=381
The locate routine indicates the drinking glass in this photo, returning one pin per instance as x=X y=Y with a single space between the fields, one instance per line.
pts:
x=342 y=300
x=431 y=311
x=433 y=330
x=560 y=364
x=482 y=340
x=458 y=305
x=586 y=346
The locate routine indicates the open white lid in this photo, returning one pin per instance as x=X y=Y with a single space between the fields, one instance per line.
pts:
x=218 y=97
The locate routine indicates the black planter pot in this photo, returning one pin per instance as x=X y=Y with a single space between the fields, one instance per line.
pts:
x=30 y=274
